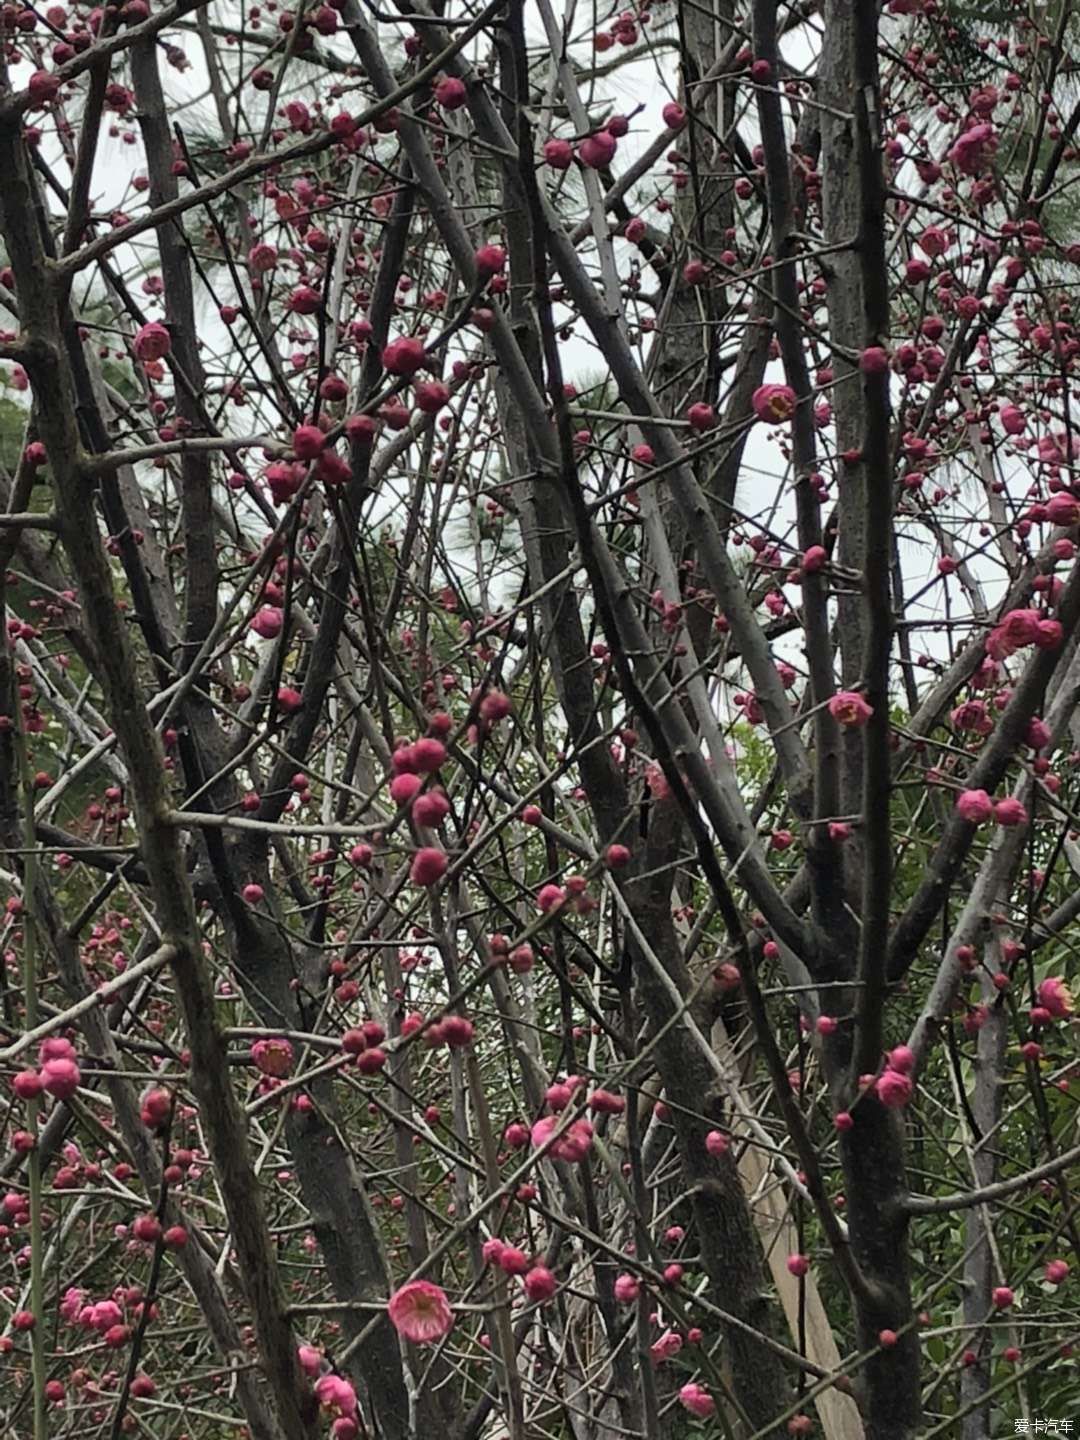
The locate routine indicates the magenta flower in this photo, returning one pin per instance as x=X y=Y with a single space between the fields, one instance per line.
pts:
x=273 y=1057
x=849 y=709
x=773 y=403
x=1015 y=631
x=152 y=341
x=972 y=715
x=971 y=150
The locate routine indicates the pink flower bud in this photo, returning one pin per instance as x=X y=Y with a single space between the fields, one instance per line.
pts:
x=894 y=1089
x=267 y=622
x=308 y=442
x=559 y=154
x=598 y=150
x=540 y=1284
x=1010 y=811
x=60 y=1078
x=451 y=93
x=403 y=356
x=490 y=260
x=717 y=1143
x=428 y=866
x=974 y=806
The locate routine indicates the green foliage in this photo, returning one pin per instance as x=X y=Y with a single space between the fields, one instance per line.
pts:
x=12 y=427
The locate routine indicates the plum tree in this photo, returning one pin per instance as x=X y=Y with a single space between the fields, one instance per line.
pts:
x=538 y=719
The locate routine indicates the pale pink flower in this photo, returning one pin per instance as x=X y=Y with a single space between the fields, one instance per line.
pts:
x=421 y=1312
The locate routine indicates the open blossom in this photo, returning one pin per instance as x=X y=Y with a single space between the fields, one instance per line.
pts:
x=421 y=1312
x=152 y=341
x=1062 y=509
x=773 y=403
x=1015 y=631
x=972 y=715
x=1055 y=996
x=273 y=1057
x=849 y=709
x=971 y=150
x=668 y=1345
x=697 y=1400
